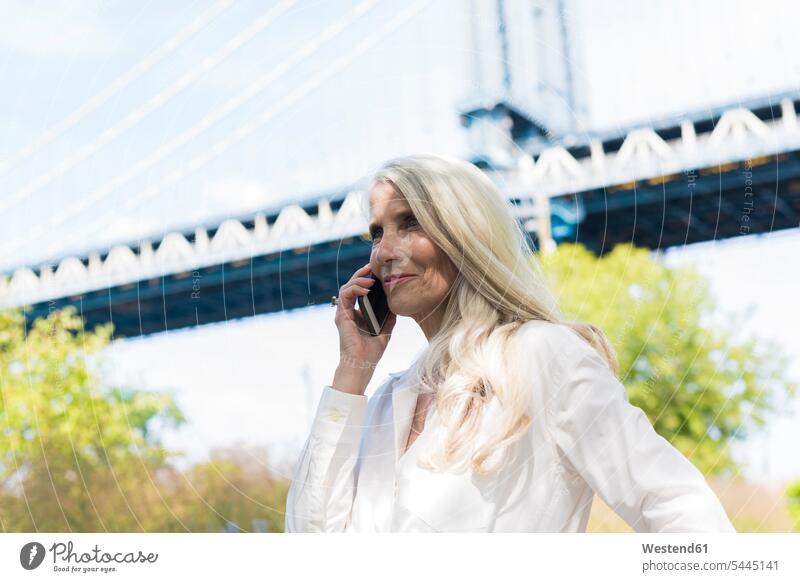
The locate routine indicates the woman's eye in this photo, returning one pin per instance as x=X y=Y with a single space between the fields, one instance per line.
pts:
x=411 y=221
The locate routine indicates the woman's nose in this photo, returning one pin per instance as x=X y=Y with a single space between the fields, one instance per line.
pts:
x=390 y=247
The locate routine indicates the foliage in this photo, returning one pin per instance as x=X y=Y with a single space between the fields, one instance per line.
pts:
x=235 y=485
x=793 y=501
x=79 y=456
x=75 y=455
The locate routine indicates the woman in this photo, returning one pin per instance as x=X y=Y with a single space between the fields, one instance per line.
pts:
x=510 y=420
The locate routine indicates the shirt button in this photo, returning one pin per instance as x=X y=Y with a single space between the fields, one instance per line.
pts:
x=335 y=415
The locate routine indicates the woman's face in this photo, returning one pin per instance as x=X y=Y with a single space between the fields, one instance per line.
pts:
x=400 y=246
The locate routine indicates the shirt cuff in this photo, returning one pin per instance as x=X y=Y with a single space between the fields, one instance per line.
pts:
x=340 y=416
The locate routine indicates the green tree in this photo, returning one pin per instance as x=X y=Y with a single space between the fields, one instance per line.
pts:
x=236 y=485
x=75 y=455
x=679 y=360
x=793 y=501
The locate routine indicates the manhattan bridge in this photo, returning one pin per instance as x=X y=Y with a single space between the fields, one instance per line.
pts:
x=727 y=171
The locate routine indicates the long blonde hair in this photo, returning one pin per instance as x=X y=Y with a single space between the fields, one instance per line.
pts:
x=500 y=285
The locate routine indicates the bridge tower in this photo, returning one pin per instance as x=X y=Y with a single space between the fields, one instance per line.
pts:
x=524 y=89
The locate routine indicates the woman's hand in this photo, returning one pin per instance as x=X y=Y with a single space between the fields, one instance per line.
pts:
x=359 y=352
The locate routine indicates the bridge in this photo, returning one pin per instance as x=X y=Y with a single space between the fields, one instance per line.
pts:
x=707 y=175
x=720 y=173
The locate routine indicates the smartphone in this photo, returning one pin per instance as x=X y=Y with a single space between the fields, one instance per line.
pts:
x=374 y=306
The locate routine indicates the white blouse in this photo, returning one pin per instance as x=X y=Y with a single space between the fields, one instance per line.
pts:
x=585 y=438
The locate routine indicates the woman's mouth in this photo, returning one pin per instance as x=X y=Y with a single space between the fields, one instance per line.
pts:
x=396 y=281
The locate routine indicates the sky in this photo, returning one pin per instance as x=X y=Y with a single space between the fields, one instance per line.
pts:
x=186 y=140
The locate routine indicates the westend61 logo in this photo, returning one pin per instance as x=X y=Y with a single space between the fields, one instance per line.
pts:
x=32 y=555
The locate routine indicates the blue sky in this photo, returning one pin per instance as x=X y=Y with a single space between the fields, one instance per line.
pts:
x=244 y=380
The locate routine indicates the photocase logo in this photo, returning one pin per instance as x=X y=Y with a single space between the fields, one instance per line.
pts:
x=31 y=555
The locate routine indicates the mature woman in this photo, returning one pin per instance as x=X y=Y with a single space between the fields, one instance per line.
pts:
x=510 y=420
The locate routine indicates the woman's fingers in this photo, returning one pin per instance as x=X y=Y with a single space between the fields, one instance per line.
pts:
x=347 y=295
x=356 y=286
x=353 y=334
